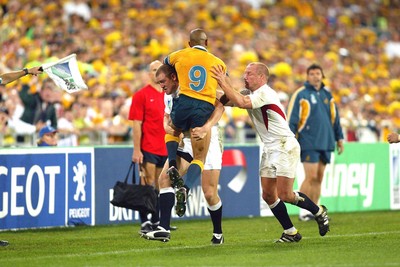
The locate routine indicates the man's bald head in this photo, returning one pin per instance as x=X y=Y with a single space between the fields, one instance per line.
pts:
x=153 y=67
x=198 y=37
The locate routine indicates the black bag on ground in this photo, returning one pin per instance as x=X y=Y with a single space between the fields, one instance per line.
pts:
x=134 y=196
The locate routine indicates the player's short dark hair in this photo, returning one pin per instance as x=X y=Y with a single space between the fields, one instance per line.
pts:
x=168 y=70
x=315 y=66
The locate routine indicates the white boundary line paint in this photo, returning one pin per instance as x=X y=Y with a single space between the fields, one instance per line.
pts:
x=119 y=252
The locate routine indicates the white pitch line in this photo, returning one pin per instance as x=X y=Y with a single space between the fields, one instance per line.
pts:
x=355 y=235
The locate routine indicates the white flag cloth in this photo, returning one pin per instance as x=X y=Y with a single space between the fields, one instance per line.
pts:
x=65 y=74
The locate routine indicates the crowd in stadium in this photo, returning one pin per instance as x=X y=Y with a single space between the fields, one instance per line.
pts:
x=357 y=43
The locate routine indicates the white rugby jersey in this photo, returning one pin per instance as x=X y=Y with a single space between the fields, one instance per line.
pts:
x=268 y=115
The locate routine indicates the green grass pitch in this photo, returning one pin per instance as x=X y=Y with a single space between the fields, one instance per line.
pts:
x=356 y=239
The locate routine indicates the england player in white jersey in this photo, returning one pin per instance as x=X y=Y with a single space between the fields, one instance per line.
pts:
x=281 y=152
x=167 y=78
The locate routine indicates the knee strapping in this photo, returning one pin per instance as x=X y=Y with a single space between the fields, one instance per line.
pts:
x=215 y=207
x=167 y=190
x=273 y=205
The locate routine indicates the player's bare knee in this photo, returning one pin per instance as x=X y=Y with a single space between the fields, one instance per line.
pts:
x=209 y=195
x=286 y=196
x=164 y=181
x=312 y=180
x=269 y=198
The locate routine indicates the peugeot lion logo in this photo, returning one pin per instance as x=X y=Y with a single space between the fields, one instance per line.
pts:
x=80 y=180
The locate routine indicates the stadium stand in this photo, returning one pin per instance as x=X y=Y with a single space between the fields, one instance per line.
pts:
x=356 y=42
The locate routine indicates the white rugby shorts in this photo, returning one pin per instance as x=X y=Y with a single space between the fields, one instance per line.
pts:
x=280 y=159
x=214 y=154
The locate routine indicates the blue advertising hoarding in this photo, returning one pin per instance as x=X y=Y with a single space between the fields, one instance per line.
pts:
x=46 y=187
